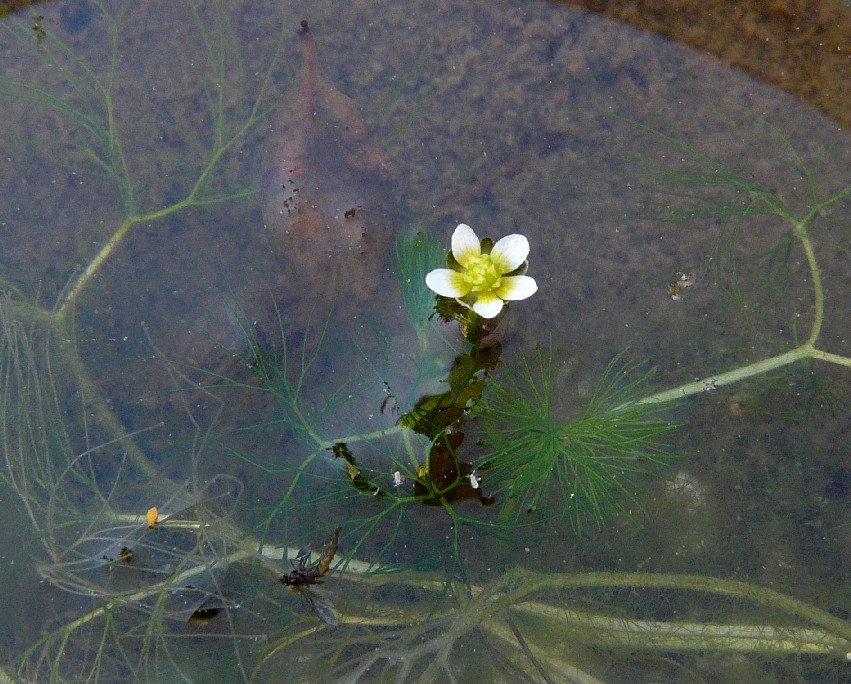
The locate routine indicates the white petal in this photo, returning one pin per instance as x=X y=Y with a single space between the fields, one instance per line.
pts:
x=512 y=288
x=488 y=305
x=510 y=252
x=465 y=245
x=447 y=283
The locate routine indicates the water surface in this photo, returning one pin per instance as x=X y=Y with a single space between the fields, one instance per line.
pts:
x=242 y=365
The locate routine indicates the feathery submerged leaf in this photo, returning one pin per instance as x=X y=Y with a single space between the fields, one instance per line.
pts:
x=584 y=468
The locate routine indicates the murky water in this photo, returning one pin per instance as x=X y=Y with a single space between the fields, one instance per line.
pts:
x=257 y=380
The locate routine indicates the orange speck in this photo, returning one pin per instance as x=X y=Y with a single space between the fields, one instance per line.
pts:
x=152 y=516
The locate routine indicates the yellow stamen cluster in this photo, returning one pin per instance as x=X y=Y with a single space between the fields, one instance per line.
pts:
x=482 y=274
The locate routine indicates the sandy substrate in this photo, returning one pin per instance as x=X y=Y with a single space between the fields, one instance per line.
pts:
x=802 y=46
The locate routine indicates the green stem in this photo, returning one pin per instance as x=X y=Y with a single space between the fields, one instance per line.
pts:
x=805 y=351
x=125 y=187
x=818 y=292
x=620 y=632
x=92 y=268
x=831 y=358
x=324 y=445
x=106 y=251
x=712 y=382
x=714 y=585
x=567 y=671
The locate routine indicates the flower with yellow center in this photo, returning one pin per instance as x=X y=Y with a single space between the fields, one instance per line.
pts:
x=485 y=278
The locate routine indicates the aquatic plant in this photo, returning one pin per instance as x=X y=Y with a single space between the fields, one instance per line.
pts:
x=139 y=559
x=694 y=188
x=416 y=255
x=548 y=624
x=576 y=469
x=92 y=106
x=86 y=499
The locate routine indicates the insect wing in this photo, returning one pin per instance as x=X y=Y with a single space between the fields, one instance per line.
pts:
x=321 y=605
x=301 y=560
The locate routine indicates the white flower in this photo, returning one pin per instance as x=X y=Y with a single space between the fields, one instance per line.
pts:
x=483 y=277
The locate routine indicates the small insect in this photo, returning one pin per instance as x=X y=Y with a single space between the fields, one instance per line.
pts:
x=680 y=282
x=37 y=27
x=304 y=575
x=152 y=516
x=388 y=396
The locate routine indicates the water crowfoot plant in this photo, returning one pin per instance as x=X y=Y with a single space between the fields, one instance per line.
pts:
x=125 y=586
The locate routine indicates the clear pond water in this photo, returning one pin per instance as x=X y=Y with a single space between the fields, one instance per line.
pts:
x=214 y=304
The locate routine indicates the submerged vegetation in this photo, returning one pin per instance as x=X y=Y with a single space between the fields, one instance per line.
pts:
x=410 y=457
x=588 y=462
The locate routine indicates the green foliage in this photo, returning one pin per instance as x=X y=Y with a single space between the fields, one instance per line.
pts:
x=561 y=626
x=694 y=179
x=434 y=414
x=84 y=484
x=582 y=468
x=85 y=498
x=85 y=99
x=286 y=375
x=778 y=215
x=416 y=255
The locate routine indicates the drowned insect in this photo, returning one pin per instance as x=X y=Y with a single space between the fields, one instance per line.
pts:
x=681 y=281
x=304 y=576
